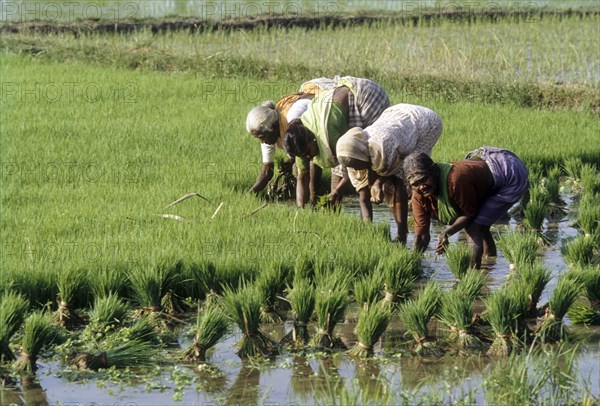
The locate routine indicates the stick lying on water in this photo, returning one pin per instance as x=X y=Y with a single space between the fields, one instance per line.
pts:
x=185 y=197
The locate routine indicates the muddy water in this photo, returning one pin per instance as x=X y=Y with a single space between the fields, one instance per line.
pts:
x=299 y=379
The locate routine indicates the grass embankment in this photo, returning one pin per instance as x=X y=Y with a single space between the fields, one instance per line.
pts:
x=549 y=62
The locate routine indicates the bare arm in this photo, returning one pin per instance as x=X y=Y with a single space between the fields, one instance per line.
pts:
x=366 y=207
x=264 y=177
x=399 y=209
x=459 y=223
x=315 y=177
x=302 y=188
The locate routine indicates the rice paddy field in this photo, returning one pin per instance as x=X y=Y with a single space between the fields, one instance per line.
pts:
x=115 y=290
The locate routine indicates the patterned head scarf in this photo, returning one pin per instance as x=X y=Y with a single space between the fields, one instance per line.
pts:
x=417 y=166
x=353 y=144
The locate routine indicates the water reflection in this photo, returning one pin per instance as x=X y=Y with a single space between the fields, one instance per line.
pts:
x=300 y=380
x=30 y=392
x=246 y=388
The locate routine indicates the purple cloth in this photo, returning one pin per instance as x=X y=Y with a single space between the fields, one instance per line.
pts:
x=511 y=181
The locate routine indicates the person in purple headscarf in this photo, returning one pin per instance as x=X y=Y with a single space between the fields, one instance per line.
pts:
x=471 y=194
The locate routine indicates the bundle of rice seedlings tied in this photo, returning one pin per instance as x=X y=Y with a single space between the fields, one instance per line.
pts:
x=471 y=284
x=13 y=307
x=367 y=290
x=552 y=188
x=304 y=268
x=121 y=354
x=588 y=217
x=458 y=257
x=590 y=180
x=579 y=251
x=106 y=279
x=71 y=284
x=39 y=330
x=502 y=312
x=212 y=324
x=537 y=208
x=416 y=313
x=399 y=275
x=283 y=185
x=270 y=283
x=302 y=299
x=331 y=301
x=456 y=312
x=587 y=309
x=153 y=286
x=244 y=308
x=550 y=327
x=106 y=313
x=372 y=323
x=519 y=248
x=573 y=167
x=533 y=279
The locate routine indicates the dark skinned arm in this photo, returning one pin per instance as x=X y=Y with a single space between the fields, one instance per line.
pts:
x=458 y=224
x=264 y=177
x=315 y=177
x=366 y=207
x=399 y=209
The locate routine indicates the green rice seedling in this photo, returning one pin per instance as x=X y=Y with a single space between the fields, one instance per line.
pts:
x=587 y=309
x=199 y=279
x=244 y=308
x=416 y=313
x=106 y=313
x=143 y=329
x=550 y=327
x=304 y=267
x=579 y=251
x=456 y=312
x=125 y=354
x=533 y=278
x=71 y=287
x=151 y=285
x=537 y=208
x=471 y=284
x=38 y=330
x=212 y=324
x=38 y=286
x=588 y=217
x=552 y=187
x=590 y=180
x=330 y=306
x=230 y=273
x=302 y=299
x=367 y=290
x=270 y=283
x=107 y=279
x=283 y=185
x=372 y=323
x=572 y=167
x=519 y=248
x=502 y=312
x=399 y=275
x=458 y=257
x=13 y=307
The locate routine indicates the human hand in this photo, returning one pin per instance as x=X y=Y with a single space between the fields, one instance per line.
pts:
x=376 y=193
x=334 y=197
x=442 y=243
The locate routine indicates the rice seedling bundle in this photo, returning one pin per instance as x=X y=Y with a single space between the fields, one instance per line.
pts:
x=398 y=276
x=143 y=329
x=38 y=330
x=330 y=306
x=537 y=208
x=588 y=217
x=458 y=257
x=152 y=284
x=13 y=307
x=552 y=185
x=130 y=353
x=590 y=180
x=519 y=248
x=211 y=325
x=302 y=299
x=108 y=279
x=283 y=184
x=469 y=287
x=199 y=279
x=587 y=311
x=38 y=286
x=367 y=290
x=106 y=313
x=416 y=313
x=270 y=283
x=304 y=267
x=244 y=308
x=579 y=251
x=456 y=312
x=372 y=323
x=502 y=312
x=550 y=327
x=572 y=167
x=71 y=284
x=533 y=278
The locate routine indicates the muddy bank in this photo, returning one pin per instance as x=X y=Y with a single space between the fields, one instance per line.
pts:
x=198 y=26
